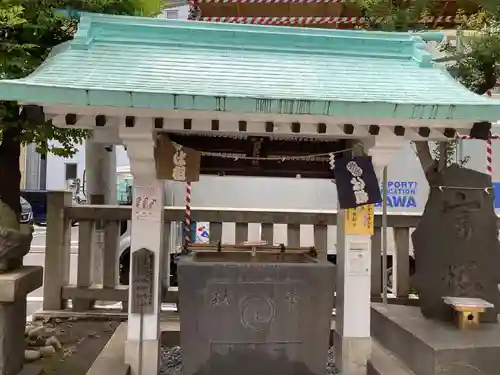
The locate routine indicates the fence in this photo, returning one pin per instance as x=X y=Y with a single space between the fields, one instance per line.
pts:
x=60 y=212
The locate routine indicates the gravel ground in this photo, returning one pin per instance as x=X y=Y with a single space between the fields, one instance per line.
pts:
x=81 y=339
x=171 y=362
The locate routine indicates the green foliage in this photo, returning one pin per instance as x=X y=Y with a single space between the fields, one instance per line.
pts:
x=394 y=17
x=28 y=32
x=477 y=55
x=452 y=156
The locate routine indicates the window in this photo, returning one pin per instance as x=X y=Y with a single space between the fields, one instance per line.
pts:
x=71 y=172
x=171 y=14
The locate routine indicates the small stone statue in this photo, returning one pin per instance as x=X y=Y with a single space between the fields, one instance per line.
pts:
x=15 y=239
x=457 y=252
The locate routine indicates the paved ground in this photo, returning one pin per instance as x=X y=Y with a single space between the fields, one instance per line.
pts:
x=36 y=257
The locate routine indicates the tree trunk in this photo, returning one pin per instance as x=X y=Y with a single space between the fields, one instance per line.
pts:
x=429 y=165
x=443 y=156
x=10 y=175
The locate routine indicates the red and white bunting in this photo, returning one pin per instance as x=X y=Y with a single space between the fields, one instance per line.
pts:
x=321 y=20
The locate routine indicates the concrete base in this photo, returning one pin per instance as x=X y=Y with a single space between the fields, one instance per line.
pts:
x=382 y=362
x=19 y=282
x=111 y=360
x=351 y=353
x=150 y=357
x=31 y=369
x=12 y=344
x=14 y=286
x=429 y=347
x=171 y=331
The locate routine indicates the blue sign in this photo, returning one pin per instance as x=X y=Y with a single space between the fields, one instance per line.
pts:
x=496 y=191
x=400 y=194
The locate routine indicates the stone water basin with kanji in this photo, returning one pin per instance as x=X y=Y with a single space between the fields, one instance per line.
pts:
x=249 y=313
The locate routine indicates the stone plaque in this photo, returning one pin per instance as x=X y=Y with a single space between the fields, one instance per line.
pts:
x=143 y=268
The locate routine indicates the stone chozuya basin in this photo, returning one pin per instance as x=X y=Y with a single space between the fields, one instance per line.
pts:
x=248 y=257
x=255 y=313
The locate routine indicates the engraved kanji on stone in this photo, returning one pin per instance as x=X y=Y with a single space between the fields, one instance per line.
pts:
x=461 y=280
x=463 y=226
x=292 y=298
x=220 y=298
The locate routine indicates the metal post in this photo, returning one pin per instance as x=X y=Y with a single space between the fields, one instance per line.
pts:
x=384 y=238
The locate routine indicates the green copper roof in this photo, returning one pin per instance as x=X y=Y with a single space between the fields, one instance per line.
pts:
x=165 y=64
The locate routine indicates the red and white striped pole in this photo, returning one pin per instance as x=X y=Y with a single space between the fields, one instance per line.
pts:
x=489 y=151
x=489 y=157
x=187 y=223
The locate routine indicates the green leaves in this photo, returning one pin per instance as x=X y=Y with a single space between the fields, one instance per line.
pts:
x=11 y=16
x=479 y=53
x=28 y=31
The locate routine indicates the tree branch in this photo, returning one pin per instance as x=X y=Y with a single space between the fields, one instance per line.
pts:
x=429 y=165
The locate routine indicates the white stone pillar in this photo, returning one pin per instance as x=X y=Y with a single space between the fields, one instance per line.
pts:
x=353 y=301
x=147 y=232
x=100 y=188
x=352 y=329
x=100 y=175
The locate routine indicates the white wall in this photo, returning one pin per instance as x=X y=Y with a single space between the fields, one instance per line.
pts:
x=181 y=12
x=56 y=166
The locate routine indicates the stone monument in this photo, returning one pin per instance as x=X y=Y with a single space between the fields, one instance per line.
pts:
x=16 y=281
x=457 y=252
x=457 y=256
x=261 y=313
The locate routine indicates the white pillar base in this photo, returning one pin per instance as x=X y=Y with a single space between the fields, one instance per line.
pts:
x=352 y=354
x=150 y=356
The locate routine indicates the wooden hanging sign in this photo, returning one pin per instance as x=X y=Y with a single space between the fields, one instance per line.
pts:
x=176 y=162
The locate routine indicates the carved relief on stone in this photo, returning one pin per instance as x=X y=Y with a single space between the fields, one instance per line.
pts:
x=220 y=298
x=257 y=313
x=462 y=281
x=15 y=240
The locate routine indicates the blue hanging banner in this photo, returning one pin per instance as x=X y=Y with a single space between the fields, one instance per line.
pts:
x=356 y=181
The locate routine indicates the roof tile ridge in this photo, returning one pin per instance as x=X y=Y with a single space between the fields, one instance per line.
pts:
x=83 y=36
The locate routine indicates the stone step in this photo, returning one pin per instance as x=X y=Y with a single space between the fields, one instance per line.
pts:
x=383 y=362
